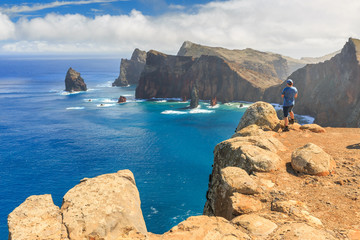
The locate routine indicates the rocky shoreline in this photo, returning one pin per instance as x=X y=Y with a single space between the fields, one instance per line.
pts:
x=261 y=187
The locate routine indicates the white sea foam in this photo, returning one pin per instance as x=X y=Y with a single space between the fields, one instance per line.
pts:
x=196 y=110
x=215 y=106
x=108 y=100
x=91 y=100
x=74 y=108
x=154 y=210
x=105 y=105
x=173 y=112
x=69 y=93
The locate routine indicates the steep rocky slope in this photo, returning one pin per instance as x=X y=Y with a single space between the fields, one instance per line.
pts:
x=328 y=91
x=167 y=76
x=268 y=63
x=228 y=75
x=130 y=70
x=254 y=192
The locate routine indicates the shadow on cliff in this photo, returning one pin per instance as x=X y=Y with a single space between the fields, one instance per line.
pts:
x=354 y=146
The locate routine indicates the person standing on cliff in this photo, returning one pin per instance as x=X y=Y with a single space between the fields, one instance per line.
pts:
x=289 y=94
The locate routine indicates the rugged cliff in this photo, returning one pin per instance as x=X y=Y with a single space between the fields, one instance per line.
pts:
x=328 y=91
x=173 y=76
x=265 y=185
x=130 y=70
x=74 y=82
x=267 y=63
x=164 y=76
x=228 y=75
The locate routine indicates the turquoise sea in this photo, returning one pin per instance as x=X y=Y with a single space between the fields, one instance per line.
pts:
x=49 y=139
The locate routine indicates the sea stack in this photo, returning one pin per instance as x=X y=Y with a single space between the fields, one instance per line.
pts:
x=194 y=98
x=74 y=82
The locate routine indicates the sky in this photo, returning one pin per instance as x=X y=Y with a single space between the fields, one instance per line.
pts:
x=295 y=28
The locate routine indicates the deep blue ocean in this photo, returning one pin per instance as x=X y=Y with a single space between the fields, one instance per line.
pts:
x=50 y=140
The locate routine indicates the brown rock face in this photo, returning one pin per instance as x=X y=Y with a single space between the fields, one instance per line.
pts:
x=328 y=91
x=174 y=76
x=130 y=70
x=37 y=218
x=203 y=227
x=104 y=207
x=164 y=77
x=74 y=82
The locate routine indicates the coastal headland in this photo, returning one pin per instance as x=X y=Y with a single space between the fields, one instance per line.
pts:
x=254 y=191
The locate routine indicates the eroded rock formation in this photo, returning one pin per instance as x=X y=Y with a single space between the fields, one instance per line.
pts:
x=74 y=82
x=328 y=91
x=130 y=70
x=166 y=76
x=104 y=207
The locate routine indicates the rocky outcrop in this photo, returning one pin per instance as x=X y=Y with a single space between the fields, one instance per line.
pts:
x=130 y=70
x=311 y=159
x=107 y=206
x=328 y=91
x=203 y=227
x=243 y=190
x=74 y=82
x=37 y=218
x=104 y=207
x=122 y=99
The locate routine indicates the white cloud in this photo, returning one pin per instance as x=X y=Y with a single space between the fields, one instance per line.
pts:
x=296 y=28
x=41 y=6
x=7 y=27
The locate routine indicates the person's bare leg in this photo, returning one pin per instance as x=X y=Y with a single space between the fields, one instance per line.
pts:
x=292 y=115
x=286 y=121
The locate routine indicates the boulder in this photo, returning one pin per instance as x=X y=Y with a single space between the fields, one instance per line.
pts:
x=74 y=82
x=261 y=114
x=122 y=99
x=300 y=231
x=313 y=128
x=311 y=159
x=201 y=228
x=235 y=179
x=255 y=224
x=252 y=130
x=221 y=195
x=266 y=142
x=243 y=204
x=37 y=218
x=104 y=207
x=244 y=155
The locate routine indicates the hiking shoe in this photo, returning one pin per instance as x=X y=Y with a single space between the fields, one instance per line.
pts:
x=286 y=129
x=292 y=121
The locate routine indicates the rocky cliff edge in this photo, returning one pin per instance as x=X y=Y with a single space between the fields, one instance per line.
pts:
x=265 y=184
